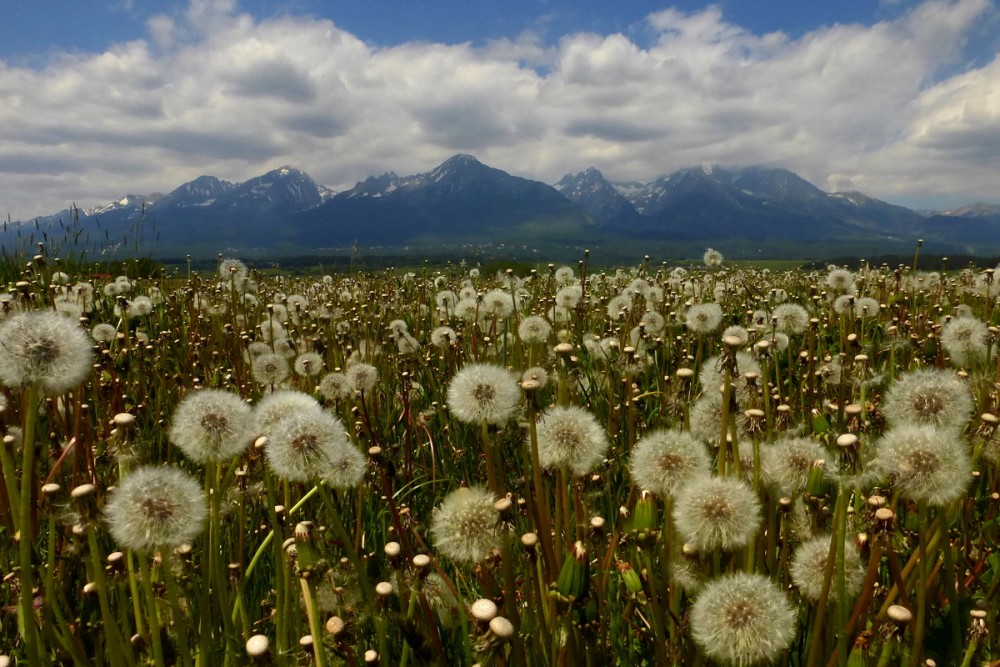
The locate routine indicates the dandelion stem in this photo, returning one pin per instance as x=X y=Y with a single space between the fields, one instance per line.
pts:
x=26 y=610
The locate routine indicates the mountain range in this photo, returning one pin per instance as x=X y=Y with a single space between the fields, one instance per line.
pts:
x=463 y=204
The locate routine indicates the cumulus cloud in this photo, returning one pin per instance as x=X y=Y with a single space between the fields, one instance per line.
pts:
x=889 y=109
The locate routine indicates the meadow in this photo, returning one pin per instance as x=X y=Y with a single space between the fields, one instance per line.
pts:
x=650 y=465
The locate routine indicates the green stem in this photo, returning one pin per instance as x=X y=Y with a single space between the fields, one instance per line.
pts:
x=923 y=570
x=152 y=612
x=26 y=609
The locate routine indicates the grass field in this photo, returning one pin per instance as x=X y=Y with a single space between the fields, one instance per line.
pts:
x=736 y=464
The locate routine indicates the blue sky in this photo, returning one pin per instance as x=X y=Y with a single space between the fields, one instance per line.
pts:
x=899 y=99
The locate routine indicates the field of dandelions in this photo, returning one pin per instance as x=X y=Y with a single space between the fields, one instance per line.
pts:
x=643 y=466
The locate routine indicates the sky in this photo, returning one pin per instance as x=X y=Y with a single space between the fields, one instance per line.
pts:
x=898 y=99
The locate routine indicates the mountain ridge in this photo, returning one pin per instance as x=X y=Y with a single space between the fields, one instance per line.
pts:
x=463 y=201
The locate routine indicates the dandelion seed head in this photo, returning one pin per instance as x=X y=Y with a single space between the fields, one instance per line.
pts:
x=279 y=404
x=45 y=348
x=570 y=437
x=716 y=513
x=443 y=336
x=103 y=332
x=303 y=445
x=464 y=526
x=712 y=258
x=742 y=619
x=664 y=460
x=336 y=386
x=308 y=364
x=703 y=318
x=534 y=329
x=809 y=563
x=964 y=338
x=363 y=376
x=790 y=318
x=156 y=507
x=483 y=393
x=346 y=467
x=928 y=396
x=212 y=425
x=840 y=280
x=924 y=463
x=269 y=368
x=787 y=464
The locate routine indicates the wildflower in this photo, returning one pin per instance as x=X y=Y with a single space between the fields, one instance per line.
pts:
x=569 y=297
x=703 y=318
x=663 y=460
x=68 y=305
x=790 y=318
x=536 y=374
x=497 y=303
x=483 y=393
x=308 y=364
x=866 y=307
x=777 y=340
x=712 y=258
x=570 y=437
x=711 y=374
x=303 y=445
x=464 y=526
x=443 y=336
x=840 y=280
x=737 y=332
x=233 y=270
x=965 y=340
x=809 y=567
x=786 y=465
x=139 y=306
x=928 y=396
x=564 y=275
x=652 y=321
x=844 y=304
x=271 y=329
x=534 y=329
x=43 y=348
x=742 y=619
x=270 y=368
x=363 y=376
x=619 y=306
x=103 y=332
x=467 y=309
x=336 y=386
x=706 y=417
x=446 y=300
x=279 y=404
x=346 y=467
x=716 y=513
x=156 y=507
x=212 y=425
x=924 y=463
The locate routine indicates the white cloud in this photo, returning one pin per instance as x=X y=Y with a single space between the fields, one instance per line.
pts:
x=211 y=90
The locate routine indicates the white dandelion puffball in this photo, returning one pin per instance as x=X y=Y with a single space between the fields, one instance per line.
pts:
x=483 y=393
x=46 y=349
x=571 y=437
x=156 y=507
x=211 y=425
x=663 y=460
x=924 y=463
x=464 y=525
x=742 y=619
x=928 y=396
x=717 y=513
